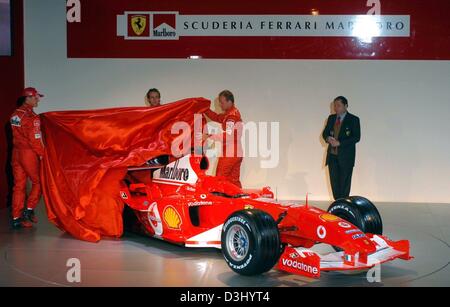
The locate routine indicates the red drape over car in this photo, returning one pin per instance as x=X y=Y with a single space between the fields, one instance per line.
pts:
x=87 y=154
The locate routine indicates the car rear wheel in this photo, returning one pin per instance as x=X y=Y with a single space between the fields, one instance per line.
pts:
x=250 y=242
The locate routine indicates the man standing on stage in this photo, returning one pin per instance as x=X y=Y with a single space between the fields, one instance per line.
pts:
x=229 y=164
x=341 y=132
x=28 y=150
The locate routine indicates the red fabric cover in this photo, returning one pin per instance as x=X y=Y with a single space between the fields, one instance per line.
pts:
x=87 y=154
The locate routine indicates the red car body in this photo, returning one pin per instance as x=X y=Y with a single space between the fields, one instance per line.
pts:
x=179 y=203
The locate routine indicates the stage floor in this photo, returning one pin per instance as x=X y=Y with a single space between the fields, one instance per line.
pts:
x=38 y=257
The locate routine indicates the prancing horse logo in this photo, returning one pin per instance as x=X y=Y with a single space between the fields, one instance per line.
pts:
x=139 y=24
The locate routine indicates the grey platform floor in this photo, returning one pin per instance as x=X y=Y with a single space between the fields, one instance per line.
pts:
x=38 y=257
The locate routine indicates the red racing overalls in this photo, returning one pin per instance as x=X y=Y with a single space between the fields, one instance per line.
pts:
x=229 y=164
x=27 y=152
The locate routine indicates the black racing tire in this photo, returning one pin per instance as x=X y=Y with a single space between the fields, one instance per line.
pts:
x=130 y=221
x=261 y=242
x=359 y=211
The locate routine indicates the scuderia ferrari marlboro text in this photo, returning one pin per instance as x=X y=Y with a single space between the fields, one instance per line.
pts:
x=226 y=296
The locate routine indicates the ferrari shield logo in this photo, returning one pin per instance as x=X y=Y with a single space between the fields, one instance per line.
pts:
x=139 y=24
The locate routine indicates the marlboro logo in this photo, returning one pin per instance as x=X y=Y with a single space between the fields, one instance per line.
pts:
x=178 y=172
x=174 y=173
x=164 y=25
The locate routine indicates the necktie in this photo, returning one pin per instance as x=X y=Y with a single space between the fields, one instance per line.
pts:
x=337 y=127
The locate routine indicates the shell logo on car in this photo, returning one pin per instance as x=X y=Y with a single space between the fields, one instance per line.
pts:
x=172 y=218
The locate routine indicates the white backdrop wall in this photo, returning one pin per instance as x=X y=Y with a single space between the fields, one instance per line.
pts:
x=404 y=106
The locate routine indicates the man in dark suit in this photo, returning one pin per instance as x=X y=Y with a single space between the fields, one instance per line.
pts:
x=342 y=132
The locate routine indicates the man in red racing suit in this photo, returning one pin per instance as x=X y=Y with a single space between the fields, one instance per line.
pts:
x=229 y=164
x=27 y=152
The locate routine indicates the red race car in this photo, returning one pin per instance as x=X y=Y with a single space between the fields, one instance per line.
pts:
x=177 y=202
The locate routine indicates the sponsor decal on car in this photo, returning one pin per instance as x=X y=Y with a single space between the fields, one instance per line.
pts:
x=241 y=266
x=321 y=232
x=185 y=187
x=300 y=265
x=155 y=219
x=235 y=219
x=313 y=210
x=172 y=218
x=178 y=173
x=304 y=262
x=123 y=195
x=329 y=217
x=266 y=195
x=294 y=255
x=174 y=173
x=199 y=203
x=247 y=207
x=352 y=231
x=358 y=236
x=344 y=225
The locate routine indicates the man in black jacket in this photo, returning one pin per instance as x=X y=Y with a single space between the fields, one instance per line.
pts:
x=342 y=132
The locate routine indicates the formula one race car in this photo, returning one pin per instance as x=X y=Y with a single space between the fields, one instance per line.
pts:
x=177 y=202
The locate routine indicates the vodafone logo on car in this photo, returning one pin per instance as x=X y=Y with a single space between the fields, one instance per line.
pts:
x=300 y=261
x=321 y=232
x=300 y=266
